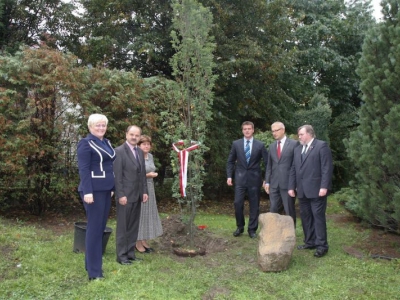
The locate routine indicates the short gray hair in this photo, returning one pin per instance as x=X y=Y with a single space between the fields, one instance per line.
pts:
x=280 y=124
x=309 y=129
x=96 y=118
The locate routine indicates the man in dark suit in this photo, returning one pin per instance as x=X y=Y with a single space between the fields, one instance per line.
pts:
x=244 y=160
x=311 y=176
x=280 y=158
x=130 y=191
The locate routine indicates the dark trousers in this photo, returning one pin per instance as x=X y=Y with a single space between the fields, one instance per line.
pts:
x=312 y=213
x=128 y=217
x=96 y=214
x=280 y=197
x=253 y=193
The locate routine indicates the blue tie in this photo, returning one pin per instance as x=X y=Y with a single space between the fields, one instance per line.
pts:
x=247 y=151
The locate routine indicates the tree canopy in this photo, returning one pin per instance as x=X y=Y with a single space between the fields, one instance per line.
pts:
x=372 y=147
x=278 y=60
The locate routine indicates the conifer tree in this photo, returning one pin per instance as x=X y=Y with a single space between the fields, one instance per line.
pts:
x=373 y=146
x=193 y=71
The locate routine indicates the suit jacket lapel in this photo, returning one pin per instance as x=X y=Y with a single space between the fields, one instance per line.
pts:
x=285 y=146
x=241 y=150
x=130 y=154
x=100 y=146
x=283 y=150
x=252 y=150
x=309 y=150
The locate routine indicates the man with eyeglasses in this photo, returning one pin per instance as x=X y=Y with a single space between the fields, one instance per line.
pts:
x=280 y=158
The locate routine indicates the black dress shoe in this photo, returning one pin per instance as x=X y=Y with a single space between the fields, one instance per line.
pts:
x=238 y=232
x=303 y=247
x=96 y=278
x=320 y=252
x=137 y=259
x=149 y=249
x=252 y=235
x=146 y=250
x=125 y=262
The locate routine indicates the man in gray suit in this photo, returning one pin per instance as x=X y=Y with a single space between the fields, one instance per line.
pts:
x=280 y=158
x=130 y=191
x=311 y=176
x=244 y=160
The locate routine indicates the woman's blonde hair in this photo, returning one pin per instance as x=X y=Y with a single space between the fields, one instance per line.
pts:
x=96 y=118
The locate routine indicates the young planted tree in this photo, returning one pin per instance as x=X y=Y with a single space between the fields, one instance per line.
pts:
x=373 y=146
x=193 y=70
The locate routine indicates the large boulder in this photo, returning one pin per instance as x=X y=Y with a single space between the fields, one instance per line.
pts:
x=276 y=243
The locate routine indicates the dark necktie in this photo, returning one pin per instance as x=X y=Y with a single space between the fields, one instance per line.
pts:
x=135 y=152
x=279 y=149
x=303 y=154
x=247 y=151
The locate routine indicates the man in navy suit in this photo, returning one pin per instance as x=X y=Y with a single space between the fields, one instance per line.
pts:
x=280 y=158
x=244 y=160
x=311 y=176
x=130 y=191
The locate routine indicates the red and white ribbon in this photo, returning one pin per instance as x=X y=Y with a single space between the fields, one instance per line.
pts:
x=183 y=156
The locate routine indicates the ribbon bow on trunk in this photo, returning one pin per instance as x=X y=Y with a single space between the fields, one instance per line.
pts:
x=183 y=156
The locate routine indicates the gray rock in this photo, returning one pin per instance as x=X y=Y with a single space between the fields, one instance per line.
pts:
x=277 y=239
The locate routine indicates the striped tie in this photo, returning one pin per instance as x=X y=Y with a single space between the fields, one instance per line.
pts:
x=247 y=151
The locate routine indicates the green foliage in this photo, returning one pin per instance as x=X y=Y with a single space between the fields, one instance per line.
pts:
x=159 y=123
x=45 y=101
x=373 y=146
x=266 y=137
x=31 y=23
x=318 y=114
x=328 y=36
x=127 y=35
x=327 y=41
x=115 y=93
x=271 y=58
x=249 y=60
x=250 y=57
x=346 y=197
x=192 y=67
x=35 y=144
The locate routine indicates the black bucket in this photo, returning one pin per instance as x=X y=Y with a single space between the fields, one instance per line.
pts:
x=80 y=237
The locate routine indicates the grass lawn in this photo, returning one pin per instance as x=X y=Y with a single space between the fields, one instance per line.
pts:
x=39 y=264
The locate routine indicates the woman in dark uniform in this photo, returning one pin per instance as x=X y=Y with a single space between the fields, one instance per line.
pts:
x=95 y=162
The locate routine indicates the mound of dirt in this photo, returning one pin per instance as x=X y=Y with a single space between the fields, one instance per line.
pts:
x=176 y=234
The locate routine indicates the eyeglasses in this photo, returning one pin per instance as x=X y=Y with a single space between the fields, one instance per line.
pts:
x=276 y=130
